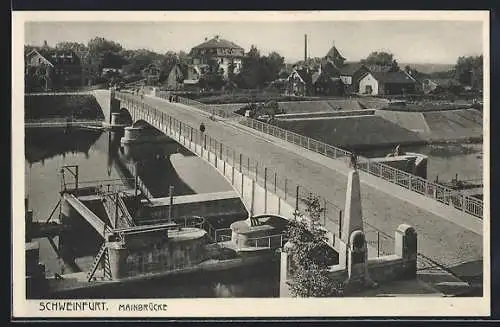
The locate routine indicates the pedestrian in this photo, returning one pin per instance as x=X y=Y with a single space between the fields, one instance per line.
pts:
x=202 y=127
x=354 y=160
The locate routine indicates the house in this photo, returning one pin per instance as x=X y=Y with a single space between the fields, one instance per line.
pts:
x=89 y=66
x=350 y=73
x=387 y=83
x=300 y=82
x=333 y=55
x=176 y=77
x=151 y=74
x=226 y=54
x=49 y=69
x=326 y=80
x=437 y=85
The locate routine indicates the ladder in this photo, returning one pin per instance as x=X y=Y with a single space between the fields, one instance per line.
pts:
x=125 y=213
x=102 y=254
x=116 y=210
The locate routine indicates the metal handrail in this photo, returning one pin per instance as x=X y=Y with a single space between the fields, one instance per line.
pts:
x=190 y=136
x=412 y=182
x=436 y=191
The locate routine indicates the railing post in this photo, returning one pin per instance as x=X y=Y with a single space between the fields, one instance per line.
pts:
x=340 y=223
x=220 y=146
x=265 y=178
x=297 y=198
x=324 y=212
x=275 y=182
x=286 y=191
x=241 y=162
x=378 y=244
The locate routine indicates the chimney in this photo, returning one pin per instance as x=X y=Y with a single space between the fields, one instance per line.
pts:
x=45 y=44
x=305 y=48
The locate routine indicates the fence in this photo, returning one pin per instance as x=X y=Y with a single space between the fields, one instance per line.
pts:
x=438 y=192
x=292 y=193
x=205 y=107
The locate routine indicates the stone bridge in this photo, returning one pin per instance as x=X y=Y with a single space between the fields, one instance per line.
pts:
x=448 y=236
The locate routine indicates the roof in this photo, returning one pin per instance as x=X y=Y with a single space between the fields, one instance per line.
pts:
x=350 y=68
x=445 y=81
x=56 y=57
x=315 y=77
x=304 y=75
x=329 y=67
x=399 y=77
x=334 y=53
x=217 y=42
x=377 y=68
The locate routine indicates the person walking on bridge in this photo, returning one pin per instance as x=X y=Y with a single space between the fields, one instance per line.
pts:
x=354 y=161
x=202 y=135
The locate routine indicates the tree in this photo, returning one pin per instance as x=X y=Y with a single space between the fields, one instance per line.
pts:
x=258 y=70
x=469 y=71
x=309 y=257
x=73 y=46
x=382 y=59
x=101 y=45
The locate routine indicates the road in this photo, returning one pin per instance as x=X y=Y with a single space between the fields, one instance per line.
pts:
x=447 y=240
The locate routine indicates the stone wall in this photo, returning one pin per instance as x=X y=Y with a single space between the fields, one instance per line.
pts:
x=154 y=255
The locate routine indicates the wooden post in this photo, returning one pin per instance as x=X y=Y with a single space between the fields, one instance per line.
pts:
x=171 y=196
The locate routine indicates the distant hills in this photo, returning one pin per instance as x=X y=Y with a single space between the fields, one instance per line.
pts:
x=429 y=68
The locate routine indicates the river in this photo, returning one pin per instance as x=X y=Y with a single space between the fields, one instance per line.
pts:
x=99 y=157
x=446 y=161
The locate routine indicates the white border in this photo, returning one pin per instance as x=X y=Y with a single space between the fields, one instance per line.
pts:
x=351 y=307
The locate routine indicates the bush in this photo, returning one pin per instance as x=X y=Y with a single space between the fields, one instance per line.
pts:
x=309 y=258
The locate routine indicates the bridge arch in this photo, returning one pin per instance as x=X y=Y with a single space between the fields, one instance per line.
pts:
x=125 y=117
x=141 y=123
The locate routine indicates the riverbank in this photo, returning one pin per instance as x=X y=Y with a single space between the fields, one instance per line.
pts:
x=73 y=106
x=63 y=123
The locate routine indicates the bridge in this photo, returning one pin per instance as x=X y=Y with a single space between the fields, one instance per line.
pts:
x=273 y=170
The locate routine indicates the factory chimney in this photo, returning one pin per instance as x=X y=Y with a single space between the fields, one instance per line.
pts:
x=305 y=48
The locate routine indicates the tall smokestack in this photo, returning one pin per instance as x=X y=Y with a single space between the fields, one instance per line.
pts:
x=305 y=48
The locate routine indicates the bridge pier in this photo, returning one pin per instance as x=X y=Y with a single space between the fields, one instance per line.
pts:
x=140 y=135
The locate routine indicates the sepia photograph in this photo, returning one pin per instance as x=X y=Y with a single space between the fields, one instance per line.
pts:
x=270 y=159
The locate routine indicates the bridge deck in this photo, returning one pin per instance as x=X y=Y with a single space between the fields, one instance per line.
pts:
x=445 y=235
x=194 y=198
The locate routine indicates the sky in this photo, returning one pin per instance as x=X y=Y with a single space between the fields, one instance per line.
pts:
x=438 y=42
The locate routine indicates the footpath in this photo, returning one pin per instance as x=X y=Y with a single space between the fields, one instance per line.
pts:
x=446 y=236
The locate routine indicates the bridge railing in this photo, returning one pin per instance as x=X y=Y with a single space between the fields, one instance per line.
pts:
x=291 y=192
x=107 y=185
x=190 y=137
x=436 y=191
x=199 y=105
